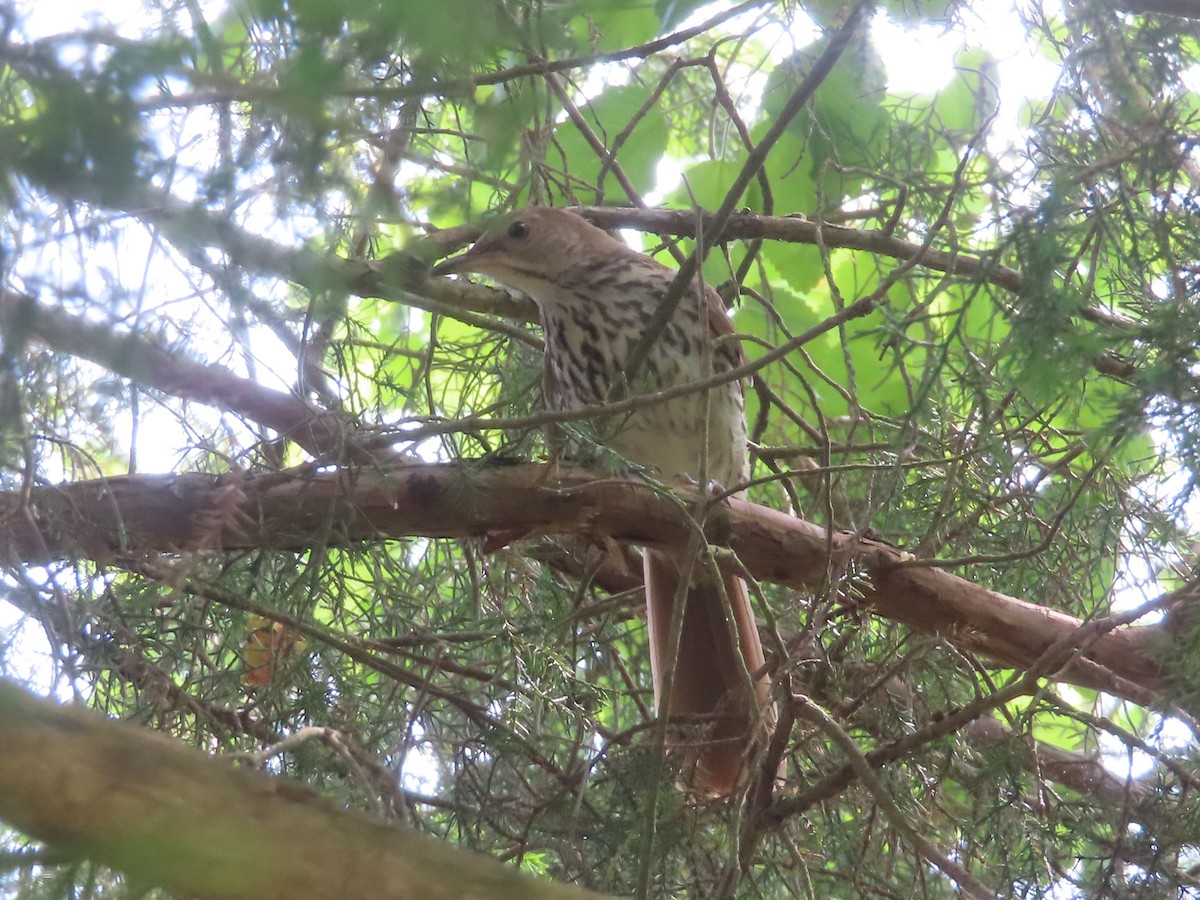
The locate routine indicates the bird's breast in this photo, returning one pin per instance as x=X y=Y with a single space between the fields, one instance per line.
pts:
x=587 y=353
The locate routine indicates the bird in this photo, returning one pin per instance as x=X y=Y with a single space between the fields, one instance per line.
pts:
x=595 y=296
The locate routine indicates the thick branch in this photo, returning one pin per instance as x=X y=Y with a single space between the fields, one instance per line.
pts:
x=401 y=277
x=165 y=813
x=1085 y=774
x=191 y=227
x=799 y=230
x=300 y=509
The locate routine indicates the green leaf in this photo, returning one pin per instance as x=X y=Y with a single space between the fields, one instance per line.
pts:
x=459 y=31
x=500 y=120
x=614 y=24
x=706 y=183
x=790 y=170
x=844 y=123
x=918 y=12
x=797 y=265
x=608 y=115
x=973 y=94
x=674 y=12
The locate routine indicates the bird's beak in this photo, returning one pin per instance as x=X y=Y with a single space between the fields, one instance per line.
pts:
x=452 y=265
x=467 y=261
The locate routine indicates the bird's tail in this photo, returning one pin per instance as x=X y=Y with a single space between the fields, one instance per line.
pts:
x=724 y=709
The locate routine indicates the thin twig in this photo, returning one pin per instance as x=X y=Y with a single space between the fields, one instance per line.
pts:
x=754 y=161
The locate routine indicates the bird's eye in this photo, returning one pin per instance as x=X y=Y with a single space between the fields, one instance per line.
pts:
x=519 y=230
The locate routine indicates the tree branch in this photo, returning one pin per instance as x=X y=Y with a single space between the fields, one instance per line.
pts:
x=168 y=814
x=117 y=517
x=151 y=365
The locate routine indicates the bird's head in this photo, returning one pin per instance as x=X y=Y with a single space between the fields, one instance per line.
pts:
x=534 y=250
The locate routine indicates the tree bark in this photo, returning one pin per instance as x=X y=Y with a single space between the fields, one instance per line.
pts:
x=106 y=519
x=167 y=814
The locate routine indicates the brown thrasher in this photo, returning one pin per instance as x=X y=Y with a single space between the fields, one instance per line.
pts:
x=595 y=296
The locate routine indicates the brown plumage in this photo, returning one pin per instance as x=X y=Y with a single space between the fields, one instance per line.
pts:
x=595 y=296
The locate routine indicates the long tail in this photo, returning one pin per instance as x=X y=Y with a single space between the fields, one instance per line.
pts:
x=712 y=688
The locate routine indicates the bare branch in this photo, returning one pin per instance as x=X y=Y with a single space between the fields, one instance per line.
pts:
x=319 y=432
x=297 y=510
